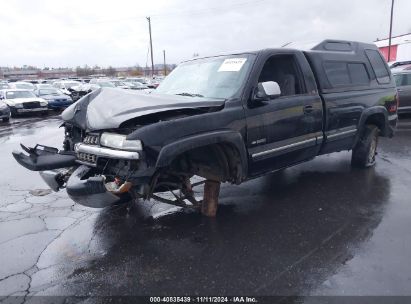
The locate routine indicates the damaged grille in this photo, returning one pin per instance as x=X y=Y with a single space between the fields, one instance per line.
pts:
x=91 y=159
x=91 y=139
x=31 y=105
x=88 y=158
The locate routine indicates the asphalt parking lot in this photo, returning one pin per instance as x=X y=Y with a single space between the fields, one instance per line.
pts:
x=320 y=228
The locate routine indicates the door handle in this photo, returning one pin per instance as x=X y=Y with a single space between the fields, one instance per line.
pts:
x=308 y=109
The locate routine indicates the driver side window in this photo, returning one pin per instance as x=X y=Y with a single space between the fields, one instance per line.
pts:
x=283 y=70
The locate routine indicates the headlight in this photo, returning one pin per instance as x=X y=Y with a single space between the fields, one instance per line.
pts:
x=119 y=141
x=43 y=103
x=18 y=105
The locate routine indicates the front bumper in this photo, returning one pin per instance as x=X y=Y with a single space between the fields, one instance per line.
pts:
x=91 y=191
x=33 y=110
x=59 y=105
x=42 y=158
x=89 y=154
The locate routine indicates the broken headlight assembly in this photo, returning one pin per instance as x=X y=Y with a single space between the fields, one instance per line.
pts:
x=118 y=141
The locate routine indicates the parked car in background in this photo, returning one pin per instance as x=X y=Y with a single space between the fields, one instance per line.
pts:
x=136 y=86
x=4 y=111
x=121 y=84
x=405 y=67
x=22 y=85
x=136 y=79
x=43 y=86
x=102 y=83
x=49 y=81
x=56 y=99
x=4 y=85
x=23 y=101
x=156 y=80
x=397 y=64
x=403 y=81
x=81 y=90
x=66 y=85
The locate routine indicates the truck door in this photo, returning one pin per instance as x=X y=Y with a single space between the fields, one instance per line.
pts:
x=288 y=129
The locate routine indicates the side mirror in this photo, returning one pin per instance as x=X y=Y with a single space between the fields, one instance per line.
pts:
x=267 y=90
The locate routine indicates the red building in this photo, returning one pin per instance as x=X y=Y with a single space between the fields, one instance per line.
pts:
x=400 y=48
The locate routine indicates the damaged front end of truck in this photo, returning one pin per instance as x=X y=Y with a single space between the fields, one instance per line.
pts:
x=120 y=145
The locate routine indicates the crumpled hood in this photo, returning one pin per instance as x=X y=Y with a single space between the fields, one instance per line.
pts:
x=107 y=108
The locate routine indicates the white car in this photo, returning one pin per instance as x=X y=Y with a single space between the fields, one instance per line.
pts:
x=22 y=85
x=23 y=101
x=65 y=85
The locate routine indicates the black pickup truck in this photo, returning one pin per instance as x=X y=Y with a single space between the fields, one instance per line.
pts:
x=225 y=119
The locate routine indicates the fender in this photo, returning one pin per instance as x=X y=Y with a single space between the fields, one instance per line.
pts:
x=170 y=151
x=368 y=113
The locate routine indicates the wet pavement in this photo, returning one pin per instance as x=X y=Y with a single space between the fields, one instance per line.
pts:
x=320 y=228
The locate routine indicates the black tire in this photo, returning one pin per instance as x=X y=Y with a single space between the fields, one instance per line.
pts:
x=364 y=152
x=13 y=113
x=6 y=119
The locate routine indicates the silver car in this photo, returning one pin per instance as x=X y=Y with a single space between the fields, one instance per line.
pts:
x=23 y=101
x=4 y=111
x=403 y=81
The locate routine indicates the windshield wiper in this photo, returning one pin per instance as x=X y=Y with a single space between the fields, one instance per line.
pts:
x=189 y=94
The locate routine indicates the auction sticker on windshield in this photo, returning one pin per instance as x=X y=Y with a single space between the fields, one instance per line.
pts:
x=232 y=65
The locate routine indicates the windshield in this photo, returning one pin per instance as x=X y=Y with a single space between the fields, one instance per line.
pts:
x=217 y=77
x=136 y=85
x=19 y=94
x=105 y=84
x=49 y=92
x=139 y=80
x=24 y=86
x=70 y=84
x=118 y=83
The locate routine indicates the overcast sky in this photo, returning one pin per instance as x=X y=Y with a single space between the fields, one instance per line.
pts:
x=77 y=32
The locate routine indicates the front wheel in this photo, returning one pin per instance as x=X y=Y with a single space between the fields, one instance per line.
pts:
x=6 y=119
x=364 y=152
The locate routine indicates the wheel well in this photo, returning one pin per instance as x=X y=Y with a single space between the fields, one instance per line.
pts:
x=378 y=120
x=219 y=162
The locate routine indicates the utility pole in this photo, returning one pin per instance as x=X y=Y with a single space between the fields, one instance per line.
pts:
x=165 y=66
x=389 y=39
x=151 y=46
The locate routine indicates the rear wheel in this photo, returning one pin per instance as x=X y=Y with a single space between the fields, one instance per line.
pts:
x=364 y=152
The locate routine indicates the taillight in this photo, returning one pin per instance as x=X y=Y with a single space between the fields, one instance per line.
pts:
x=393 y=108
